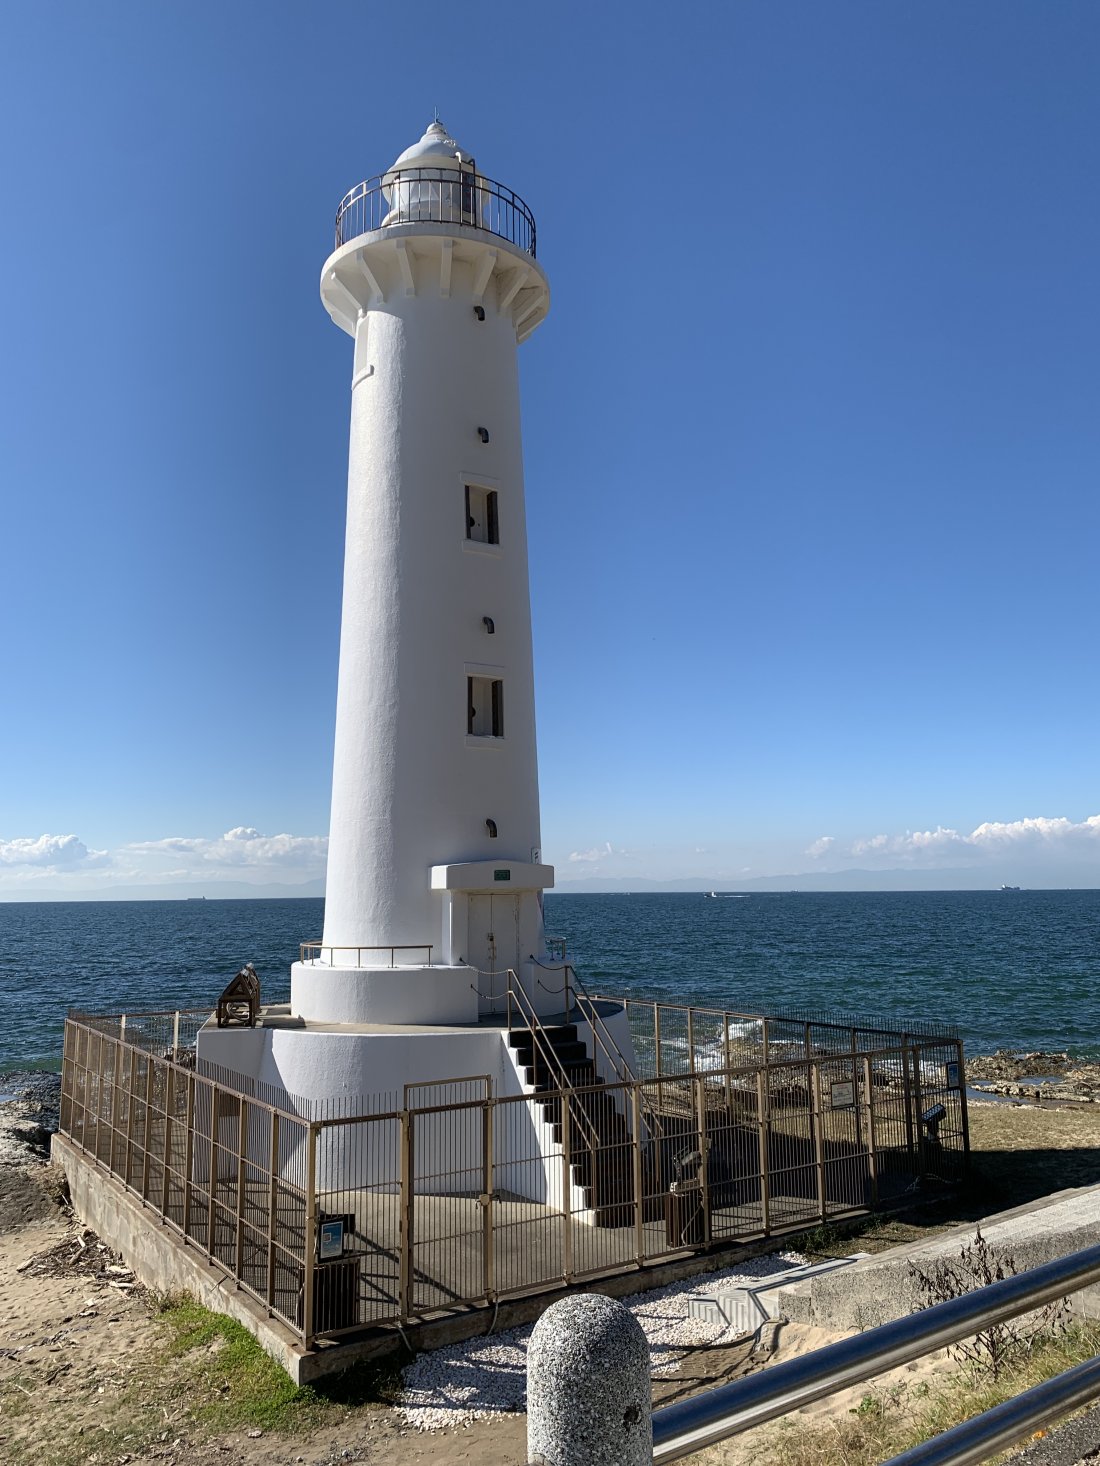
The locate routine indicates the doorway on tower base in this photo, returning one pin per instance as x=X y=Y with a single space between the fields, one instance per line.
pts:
x=494 y=944
x=492 y=920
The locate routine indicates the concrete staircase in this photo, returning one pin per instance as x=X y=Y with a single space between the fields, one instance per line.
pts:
x=556 y=1063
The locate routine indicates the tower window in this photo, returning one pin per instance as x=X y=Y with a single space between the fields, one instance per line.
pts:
x=485 y=707
x=482 y=517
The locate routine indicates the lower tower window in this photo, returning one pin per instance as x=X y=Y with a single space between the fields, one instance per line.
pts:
x=485 y=707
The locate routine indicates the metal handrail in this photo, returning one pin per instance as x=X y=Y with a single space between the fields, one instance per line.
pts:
x=311 y=951
x=1004 y=1425
x=682 y=1429
x=533 y=1025
x=618 y=1060
x=436 y=195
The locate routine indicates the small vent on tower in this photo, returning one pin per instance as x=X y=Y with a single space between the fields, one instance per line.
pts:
x=479 y=311
x=490 y=625
x=483 y=434
x=491 y=826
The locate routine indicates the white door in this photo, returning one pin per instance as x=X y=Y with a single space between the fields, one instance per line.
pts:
x=493 y=945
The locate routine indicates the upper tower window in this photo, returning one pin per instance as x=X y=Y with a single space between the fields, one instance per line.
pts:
x=485 y=707
x=482 y=515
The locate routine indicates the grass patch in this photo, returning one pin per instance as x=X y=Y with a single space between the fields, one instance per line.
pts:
x=231 y=1382
x=236 y=1385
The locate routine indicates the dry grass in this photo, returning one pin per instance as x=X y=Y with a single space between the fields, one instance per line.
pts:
x=892 y=1418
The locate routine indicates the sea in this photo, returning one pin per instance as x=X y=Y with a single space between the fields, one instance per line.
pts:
x=1018 y=970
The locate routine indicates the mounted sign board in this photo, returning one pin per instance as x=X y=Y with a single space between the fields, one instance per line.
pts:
x=951 y=1074
x=842 y=1094
x=502 y=875
x=331 y=1241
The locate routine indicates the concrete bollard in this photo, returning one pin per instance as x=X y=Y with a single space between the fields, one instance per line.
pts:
x=588 y=1390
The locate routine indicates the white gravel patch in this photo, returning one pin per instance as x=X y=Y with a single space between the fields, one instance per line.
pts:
x=486 y=1377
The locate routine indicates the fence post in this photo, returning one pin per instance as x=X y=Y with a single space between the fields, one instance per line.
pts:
x=146 y=1134
x=588 y=1388
x=188 y=1153
x=817 y=1122
x=487 y=1182
x=166 y=1153
x=308 y=1291
x=763 y=1130
x=567 y=1185
x=639 y=1178
x=918 y=1114
x=700 y=1088
x=272 y=1206
x=242 y=1166
x=212 y=1218
x=406 y=1232
x=869 y=1103
x=962 y=1105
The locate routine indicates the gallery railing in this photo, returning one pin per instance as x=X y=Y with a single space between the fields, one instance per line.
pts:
x=339 y=1218
x=314 y=952
x=436 y=196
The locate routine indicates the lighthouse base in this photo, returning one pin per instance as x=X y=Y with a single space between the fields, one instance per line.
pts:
x=411 y=995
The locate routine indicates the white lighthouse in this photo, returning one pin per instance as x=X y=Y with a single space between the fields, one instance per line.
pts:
x=434 y=876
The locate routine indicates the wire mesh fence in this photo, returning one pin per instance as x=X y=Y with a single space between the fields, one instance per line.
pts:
x=346 y=1214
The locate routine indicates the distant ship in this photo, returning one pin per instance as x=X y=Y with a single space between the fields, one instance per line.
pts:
x=1010 y=888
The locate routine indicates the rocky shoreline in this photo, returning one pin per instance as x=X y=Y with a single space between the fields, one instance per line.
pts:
x=29 y=1118
x=1052 y=1078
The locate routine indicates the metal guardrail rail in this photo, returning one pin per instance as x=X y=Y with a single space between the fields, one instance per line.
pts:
x=690 y=1425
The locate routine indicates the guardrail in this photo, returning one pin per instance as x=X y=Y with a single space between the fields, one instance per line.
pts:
x=313 y=952
x=436 y=196
x=690 y=1425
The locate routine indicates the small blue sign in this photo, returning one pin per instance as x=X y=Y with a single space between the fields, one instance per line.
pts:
x=331 y=1241
x=951 y=1074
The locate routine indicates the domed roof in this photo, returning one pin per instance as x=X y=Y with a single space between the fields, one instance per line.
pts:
x=435 y=149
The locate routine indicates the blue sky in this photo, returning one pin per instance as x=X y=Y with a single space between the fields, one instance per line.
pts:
x=811 y=435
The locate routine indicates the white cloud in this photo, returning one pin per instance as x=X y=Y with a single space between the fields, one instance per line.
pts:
x=606 y=851
x=242 y=846
x=1038 y=835
x=60 y=863
x=50 y=852
x=821 y=846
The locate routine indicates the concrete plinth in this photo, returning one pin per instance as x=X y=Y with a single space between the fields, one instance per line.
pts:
x=408 y=994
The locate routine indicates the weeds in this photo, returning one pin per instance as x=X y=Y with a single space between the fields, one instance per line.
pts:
x=991 y=1350
x=897 y=1417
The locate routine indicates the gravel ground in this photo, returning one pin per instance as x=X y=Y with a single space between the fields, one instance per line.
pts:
x=487 y=1377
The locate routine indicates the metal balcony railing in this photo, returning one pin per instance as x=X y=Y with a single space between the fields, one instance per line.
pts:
x=436 y=196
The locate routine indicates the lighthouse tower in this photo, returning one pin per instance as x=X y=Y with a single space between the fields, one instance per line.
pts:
x=435 y=876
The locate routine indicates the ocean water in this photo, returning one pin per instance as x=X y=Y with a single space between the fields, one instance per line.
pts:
x=1012 y=969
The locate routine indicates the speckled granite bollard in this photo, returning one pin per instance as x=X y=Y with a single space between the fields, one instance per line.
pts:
x=588 y=1391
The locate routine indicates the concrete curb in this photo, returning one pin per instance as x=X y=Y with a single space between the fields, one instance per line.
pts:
x=879 y=1288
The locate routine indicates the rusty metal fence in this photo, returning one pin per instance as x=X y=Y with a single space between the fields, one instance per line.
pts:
x=345 y=1215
